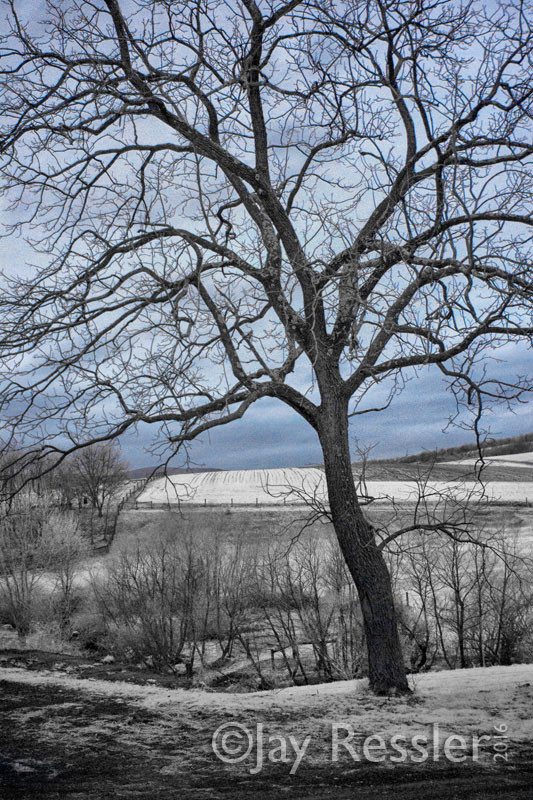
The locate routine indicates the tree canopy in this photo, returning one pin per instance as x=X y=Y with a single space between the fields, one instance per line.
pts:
x=237 y=200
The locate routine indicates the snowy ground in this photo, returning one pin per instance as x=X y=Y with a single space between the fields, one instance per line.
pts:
x=469 y=699
x=519 y=491
x=277 y=486
x=511 y=460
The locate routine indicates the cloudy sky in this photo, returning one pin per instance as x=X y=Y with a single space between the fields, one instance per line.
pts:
x=271 y=435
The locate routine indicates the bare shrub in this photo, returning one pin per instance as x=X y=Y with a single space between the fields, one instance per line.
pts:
x=348 y=650
x=304 y=619
x=229 y=571
x=148 y=602
x=90 y=627
x=24 y=556
x=470 y=600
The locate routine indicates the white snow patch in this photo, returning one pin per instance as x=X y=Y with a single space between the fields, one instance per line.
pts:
x=509 y=460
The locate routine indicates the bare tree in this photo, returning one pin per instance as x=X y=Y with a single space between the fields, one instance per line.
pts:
x=96 y=471
x=256 y=199
x=64 y=485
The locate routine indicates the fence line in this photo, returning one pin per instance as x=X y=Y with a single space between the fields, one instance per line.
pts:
x=137 y=489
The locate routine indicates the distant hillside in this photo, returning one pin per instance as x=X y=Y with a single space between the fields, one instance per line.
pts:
x=491 y=447
x=144 y=472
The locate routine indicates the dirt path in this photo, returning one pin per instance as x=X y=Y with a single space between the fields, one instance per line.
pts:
x=65 y=737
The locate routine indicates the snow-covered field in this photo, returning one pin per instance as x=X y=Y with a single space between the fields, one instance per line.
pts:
x=510 y=460
x=242 y=487
x=519 y=491
x=278 y=486
x=519 y=458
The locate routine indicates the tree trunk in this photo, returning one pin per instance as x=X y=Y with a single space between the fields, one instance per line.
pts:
x=386 y=669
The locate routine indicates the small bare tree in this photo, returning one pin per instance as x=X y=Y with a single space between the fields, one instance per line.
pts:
x=97 y=472
x=230 y=567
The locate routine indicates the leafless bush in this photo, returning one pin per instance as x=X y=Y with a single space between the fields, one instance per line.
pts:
x=32 y=535
x=67 y=546
x=230 y=568
x=470 y=602
x=306 y=615
x=149 y=602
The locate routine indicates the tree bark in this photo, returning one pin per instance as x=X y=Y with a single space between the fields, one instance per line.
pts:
x=386 y=668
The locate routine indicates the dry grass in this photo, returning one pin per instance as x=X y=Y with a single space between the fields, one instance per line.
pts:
x=267 y=525
x=445 y=472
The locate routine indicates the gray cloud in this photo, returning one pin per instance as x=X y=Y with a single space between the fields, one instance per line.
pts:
x=271 y=435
